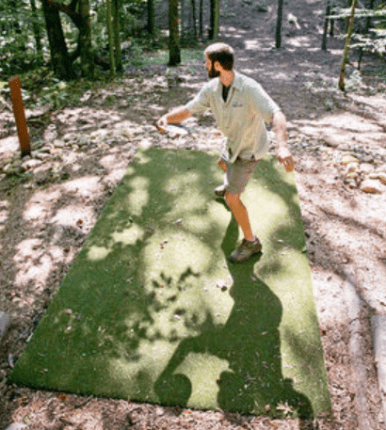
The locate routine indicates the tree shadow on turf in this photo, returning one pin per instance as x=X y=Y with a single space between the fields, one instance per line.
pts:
x=250 y=342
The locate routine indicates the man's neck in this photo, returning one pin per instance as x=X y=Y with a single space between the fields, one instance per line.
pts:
x=226 y=77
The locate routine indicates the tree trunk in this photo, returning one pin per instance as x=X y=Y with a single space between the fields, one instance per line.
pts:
x=59 y=55
x=174 y=36
x=347 y=46
x=214 y=19
x=326 y=21
x=111 y=38
x=117 y=39
x=194 y=18
x=86 y=52
x=150 y=17
x=36 y=29
x=201 y=19
x=279 y=23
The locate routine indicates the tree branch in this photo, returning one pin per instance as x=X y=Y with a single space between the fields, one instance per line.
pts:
x=68 y=10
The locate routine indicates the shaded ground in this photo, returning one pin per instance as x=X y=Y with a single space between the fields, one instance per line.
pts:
x=82 y=152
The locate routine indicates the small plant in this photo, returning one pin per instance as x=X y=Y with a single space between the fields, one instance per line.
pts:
x=354 y=81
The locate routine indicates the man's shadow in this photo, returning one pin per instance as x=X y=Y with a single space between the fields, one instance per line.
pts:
x=249 y=341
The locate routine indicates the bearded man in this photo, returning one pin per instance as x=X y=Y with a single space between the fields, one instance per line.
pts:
x=241 y=108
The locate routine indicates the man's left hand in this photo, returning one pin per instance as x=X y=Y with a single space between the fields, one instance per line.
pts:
x=284 y=157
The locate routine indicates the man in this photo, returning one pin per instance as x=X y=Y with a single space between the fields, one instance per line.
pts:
x=241 y=108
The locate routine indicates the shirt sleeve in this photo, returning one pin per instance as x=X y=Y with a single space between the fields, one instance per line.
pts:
x=262 y=103
x=200 y=103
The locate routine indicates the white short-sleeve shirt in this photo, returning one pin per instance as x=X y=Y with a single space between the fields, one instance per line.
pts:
x=242 y=117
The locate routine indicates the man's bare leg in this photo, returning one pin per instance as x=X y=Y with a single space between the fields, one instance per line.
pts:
x=240 y=213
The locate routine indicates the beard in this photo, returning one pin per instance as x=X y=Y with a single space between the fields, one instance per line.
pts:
x=213 y=73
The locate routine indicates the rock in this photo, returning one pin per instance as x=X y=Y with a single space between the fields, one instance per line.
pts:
x=42 y=155
x=371 y=186
x=59 y=143
x=351 y=183
x=332 y=140
x=381 y=176
x=8 y=169
x=348 y=158
x=352 y=175
x=351 y=167
x=5 y=322
x=16 y=426
x=366 y=168
x=260 y=6
x=368 y=159
x=30 y=164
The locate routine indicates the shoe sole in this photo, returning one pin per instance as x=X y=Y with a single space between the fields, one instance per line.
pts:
x=236 y=260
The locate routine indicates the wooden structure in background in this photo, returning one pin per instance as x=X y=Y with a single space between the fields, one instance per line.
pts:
x=18 y=110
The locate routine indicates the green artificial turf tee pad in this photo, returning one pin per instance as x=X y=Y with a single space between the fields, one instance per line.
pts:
x=153 y=311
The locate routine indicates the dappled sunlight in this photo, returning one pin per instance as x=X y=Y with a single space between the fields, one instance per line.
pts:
x=86 y=186
x=160 y=258
x=352 y=127
x=75 y=216
x=129 y=236
x=139 y=197
x=41 y=205
x=35 y=264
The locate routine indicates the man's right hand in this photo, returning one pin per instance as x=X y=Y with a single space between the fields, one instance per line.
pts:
x=161 y=124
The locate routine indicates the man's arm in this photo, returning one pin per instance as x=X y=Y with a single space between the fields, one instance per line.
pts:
x=175 y=116
x=283 y=154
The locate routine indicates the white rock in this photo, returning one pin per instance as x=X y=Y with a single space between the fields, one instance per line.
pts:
x=16 y=426
x=30 y=164
x=371 y=186
x=366 y=168
x=332 y=140
x=8 y=169
x=348 y=158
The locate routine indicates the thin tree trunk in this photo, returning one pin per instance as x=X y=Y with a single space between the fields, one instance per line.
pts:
x=194 y=19
x=36 y=28
x=214 y=19
x=85 y=41
x=117 y=39
x=279 y=23
x=201 y=19
x=111 y=38
x=174 y=34
x=346 y=50
x=326 y=21
x=150 y=17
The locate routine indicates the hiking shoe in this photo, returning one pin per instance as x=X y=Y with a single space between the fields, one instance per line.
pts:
x=245 y=250
x=220 y=191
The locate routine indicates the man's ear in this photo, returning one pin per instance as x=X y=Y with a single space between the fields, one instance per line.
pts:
x=217 y=66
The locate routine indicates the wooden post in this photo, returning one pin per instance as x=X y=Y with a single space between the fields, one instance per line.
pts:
x=18 y=110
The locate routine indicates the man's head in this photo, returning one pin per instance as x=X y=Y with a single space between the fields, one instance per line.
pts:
x=218 y=55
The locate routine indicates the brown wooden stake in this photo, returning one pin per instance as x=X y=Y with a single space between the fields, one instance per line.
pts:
x=18 y=110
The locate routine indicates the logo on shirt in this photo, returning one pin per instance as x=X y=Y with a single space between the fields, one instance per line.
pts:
x=237 y=105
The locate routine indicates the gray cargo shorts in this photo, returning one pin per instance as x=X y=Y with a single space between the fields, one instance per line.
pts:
x=238 y=174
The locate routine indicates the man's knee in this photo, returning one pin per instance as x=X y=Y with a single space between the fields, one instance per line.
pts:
x=232 y=198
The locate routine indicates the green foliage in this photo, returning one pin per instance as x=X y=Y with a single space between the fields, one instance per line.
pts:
x=17 y=44
x=375 y=39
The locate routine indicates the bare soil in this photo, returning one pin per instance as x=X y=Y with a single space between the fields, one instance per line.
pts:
x=81 y=153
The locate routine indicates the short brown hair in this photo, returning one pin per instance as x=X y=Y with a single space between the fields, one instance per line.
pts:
x=222 y=53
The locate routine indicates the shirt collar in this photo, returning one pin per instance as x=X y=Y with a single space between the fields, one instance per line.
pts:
x=236 y=83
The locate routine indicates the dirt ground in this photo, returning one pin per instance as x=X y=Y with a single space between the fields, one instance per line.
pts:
x=50 y=201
